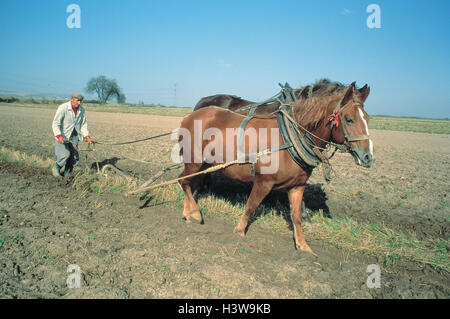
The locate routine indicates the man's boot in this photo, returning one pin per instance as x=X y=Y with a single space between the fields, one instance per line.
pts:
x=55 y=171
x=67 y=171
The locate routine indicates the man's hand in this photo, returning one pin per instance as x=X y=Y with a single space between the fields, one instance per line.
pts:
x=60 y=140
x=88 y=139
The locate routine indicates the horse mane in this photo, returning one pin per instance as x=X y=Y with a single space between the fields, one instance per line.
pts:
x=321 y=87
x=313 y=109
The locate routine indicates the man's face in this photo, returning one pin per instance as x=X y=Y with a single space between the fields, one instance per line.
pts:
x=75 y=103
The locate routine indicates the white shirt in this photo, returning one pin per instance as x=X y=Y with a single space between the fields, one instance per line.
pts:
x=65 y=122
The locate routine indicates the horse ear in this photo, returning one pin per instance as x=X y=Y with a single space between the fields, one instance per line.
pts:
x=364 y=92
x=348 y=94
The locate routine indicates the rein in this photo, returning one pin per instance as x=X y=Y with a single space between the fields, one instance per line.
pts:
x=135 y=141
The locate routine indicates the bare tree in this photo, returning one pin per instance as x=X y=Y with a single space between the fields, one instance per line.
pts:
x=105 y=89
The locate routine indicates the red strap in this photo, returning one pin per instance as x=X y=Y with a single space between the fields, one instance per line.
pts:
x=334 y=118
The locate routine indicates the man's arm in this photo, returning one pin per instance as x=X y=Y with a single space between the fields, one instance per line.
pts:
x=56 y=124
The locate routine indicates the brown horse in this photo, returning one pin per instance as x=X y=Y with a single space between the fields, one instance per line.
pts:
x=335 y=114
x=237 y=104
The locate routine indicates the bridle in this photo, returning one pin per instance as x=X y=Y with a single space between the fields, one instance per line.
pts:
x=336 y=117
x=321 y=152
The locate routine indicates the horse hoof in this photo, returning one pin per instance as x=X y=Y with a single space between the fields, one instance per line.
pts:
x=185 y=214
x=240 y=232
x=196 y=216
x=306 y=248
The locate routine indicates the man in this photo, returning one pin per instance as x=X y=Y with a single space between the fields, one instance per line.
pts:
x=69 y=126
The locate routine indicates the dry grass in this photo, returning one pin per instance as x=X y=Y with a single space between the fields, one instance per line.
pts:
x=85 y=182
x=379 y=240
x=22 y=158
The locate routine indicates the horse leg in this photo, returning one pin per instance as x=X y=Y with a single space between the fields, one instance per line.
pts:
x=295 y=201
x=190 y=207
x=201 y=183
x=259 y=191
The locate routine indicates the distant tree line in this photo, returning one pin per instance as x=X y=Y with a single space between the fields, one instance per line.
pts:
x=8 y=99
x=32 y=100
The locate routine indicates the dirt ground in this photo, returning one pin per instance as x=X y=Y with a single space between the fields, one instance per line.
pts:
x=128 y=250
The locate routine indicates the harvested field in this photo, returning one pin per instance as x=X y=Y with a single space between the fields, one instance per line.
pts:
x=133 y=248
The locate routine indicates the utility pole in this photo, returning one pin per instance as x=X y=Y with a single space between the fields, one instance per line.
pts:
x=175 y=94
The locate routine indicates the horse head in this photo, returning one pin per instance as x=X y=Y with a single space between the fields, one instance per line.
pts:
x=349 y=124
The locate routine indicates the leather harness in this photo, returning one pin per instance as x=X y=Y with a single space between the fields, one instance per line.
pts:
x=301 y=147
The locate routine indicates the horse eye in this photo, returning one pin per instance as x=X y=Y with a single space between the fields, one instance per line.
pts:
x=349 y=120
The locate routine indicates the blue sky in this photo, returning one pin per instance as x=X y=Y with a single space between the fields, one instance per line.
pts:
x=238 y=47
